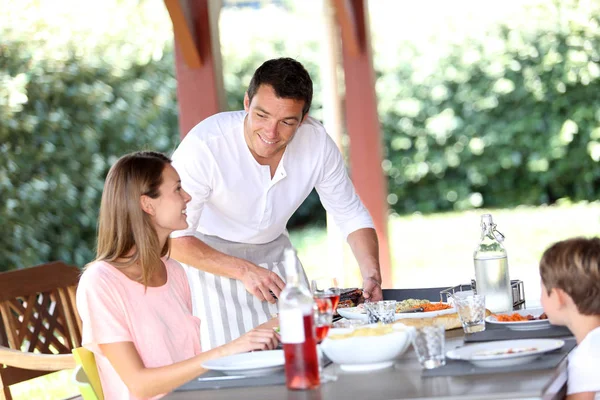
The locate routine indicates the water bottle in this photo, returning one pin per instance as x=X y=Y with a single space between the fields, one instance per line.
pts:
x=296 y=321
x=491 y=268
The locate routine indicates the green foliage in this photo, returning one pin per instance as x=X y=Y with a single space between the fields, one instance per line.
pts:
x=68 y=110
x=508 y=118
x=63 y=122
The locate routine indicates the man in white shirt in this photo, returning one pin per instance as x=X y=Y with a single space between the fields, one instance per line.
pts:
x=247 y=173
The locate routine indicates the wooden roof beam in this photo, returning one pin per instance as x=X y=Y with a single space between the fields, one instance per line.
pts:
x=200 y=87
x=184 y=31
x=350 y=19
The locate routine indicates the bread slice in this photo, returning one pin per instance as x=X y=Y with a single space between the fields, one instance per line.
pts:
x=449 y=321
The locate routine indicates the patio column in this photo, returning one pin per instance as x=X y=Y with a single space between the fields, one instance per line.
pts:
x=362 y=121
x=200 y=91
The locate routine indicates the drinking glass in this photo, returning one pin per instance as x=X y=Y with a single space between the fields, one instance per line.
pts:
x=326 y=288
x=381 y=311
x=323 y=316
x=428 y=342
x=471 y=311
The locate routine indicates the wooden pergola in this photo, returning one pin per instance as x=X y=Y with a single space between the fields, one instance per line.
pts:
x=200 y=92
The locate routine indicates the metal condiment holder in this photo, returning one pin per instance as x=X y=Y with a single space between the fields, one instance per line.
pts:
x=518 y=292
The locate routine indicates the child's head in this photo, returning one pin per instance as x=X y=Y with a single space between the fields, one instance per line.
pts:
x=142 y=202
x=571 y=267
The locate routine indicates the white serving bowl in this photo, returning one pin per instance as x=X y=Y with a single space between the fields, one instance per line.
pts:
x=367 y=353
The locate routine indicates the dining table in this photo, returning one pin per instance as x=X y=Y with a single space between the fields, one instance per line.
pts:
x=405 y=380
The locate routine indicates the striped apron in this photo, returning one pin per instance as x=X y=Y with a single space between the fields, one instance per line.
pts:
x=226 y=310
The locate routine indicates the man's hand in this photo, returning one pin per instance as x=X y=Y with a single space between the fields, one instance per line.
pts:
x=259 y=281
x=365 y=247
x=372 y=290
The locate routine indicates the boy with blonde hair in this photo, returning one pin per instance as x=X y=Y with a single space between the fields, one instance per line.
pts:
x=570 y=272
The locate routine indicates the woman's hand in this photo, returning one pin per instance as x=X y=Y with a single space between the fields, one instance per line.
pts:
x=256 y=339
x=270 y=324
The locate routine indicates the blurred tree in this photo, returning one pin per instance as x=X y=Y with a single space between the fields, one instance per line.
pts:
x=62 y=124
x=68 y=110
x=504 y=118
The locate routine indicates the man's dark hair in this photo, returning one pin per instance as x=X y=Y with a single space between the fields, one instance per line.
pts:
x=289 y=79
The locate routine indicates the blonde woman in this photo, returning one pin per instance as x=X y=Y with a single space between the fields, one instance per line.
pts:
x=134 y=300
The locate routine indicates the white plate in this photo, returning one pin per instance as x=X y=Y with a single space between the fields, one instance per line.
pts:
x=493 y=354
x=356 y=313
x=522 y=325
x=256 y=363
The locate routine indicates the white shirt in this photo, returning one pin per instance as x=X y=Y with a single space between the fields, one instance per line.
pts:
x=235 y=198
x=583 y=371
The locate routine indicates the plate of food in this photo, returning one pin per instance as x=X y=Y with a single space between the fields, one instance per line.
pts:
x=405 y=309
x=521 y=320
x=504 y=353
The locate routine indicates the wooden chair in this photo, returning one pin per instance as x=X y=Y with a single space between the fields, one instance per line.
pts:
x=40 y=325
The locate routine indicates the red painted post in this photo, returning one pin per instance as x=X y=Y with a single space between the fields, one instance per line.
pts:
x=200 y=90
x=362 y=124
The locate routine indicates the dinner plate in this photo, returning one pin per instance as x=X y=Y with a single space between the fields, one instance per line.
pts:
x=522 y=325
x=504 y=353
x=256 y=363
x=361 y=314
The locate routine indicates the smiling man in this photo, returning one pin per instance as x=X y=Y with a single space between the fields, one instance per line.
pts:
x=248 y=172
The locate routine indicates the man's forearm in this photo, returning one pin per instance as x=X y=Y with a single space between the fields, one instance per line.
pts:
x=258 y=281
x=192 y=251
x=365 y=247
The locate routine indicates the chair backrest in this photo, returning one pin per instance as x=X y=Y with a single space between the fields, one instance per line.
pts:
x=39 y=315
x=86 y=359
x=82 y=382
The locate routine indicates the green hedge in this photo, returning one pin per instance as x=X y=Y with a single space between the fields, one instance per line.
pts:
x=64 y=119
x=510 y=117
x=63 y=122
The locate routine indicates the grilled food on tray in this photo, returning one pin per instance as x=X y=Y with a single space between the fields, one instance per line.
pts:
x=350 y=298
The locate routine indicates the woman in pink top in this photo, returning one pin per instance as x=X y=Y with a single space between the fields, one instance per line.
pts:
x=134 y=301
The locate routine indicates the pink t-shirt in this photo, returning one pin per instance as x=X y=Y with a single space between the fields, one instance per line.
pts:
x=159 y=322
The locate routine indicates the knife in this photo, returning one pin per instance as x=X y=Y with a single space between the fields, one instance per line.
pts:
x=414 y=310
x=221 y=378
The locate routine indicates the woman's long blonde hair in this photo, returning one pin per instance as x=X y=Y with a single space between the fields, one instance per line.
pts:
x=125 y=231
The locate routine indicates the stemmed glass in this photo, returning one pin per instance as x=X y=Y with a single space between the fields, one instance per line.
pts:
x=323 y=316
x=332 y=292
